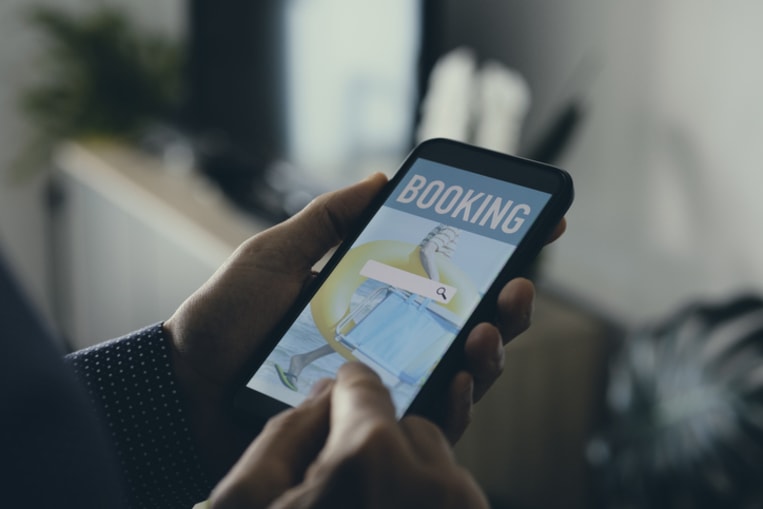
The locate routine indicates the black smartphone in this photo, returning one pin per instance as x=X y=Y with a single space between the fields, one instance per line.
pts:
x=424 y=266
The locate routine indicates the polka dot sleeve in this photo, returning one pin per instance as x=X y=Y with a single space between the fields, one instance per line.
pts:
x=131 y=382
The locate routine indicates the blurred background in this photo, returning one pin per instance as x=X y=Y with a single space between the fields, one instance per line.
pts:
x=140 y=142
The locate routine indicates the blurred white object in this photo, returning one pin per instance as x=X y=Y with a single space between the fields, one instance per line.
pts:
x=351 y=73
x=446 y=109
x=485 y=106
x=502 y=100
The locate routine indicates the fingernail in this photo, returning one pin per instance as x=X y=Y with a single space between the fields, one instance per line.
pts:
x=319 y=387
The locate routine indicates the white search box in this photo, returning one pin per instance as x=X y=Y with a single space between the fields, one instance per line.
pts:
x=404 y=280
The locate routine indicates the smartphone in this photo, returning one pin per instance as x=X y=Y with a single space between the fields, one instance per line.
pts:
x=424 y=266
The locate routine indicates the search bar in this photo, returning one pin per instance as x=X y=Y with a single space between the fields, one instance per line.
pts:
x=404 y=280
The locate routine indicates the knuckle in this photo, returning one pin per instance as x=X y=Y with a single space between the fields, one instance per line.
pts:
x=370 y=449
x=424 y=425
x=279 y=422
x=468 y=493
x=365 y=384
x=234 y=495
x=375 y=440
x=454 y=488
x=253 y=488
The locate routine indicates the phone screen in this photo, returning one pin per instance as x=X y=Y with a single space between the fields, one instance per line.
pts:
x=407 y=285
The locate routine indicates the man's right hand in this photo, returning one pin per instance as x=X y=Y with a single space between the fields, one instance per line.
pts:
x=343 y=447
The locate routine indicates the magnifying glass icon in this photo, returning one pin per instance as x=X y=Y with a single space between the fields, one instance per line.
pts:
x=438 y=291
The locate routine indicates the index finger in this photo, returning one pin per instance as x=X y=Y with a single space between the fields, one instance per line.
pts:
x=359 y=403
x=279 y=456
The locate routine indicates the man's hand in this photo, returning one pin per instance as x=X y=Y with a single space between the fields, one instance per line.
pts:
x=218 y=328
x=343 y=447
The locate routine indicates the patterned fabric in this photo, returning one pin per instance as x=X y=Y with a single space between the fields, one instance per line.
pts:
x=130 y=381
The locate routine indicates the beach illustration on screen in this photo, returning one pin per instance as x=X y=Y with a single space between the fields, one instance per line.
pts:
x=395 y=302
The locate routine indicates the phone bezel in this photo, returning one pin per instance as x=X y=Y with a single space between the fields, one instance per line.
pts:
x=544 y=177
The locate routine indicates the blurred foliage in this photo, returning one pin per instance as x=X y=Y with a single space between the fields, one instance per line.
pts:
x=99 y=75
x=684 y=413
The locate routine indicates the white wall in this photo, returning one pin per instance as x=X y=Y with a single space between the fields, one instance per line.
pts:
x=22 y=213
x=668 y=164
x=669 y=169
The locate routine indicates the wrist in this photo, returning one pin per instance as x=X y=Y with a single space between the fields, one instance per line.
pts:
x=219 y=436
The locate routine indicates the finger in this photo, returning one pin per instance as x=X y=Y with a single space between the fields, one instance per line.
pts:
x=484 y=357
x=426 y=441
x=380 y=462
x=484 y=345
x=359 y=402
x=558 y=231
x=364 y=434
x=362 y=416
x=515 y=308
x=279 y=457
x=460 y=403
x=324 y=222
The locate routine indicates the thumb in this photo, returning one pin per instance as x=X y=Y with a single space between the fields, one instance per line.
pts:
x=326 y=220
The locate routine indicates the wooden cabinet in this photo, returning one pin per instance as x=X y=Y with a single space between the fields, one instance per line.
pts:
x=133 y=239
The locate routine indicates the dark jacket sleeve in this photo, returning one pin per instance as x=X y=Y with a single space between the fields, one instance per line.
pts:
x=131 y=383
x=53 y=449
